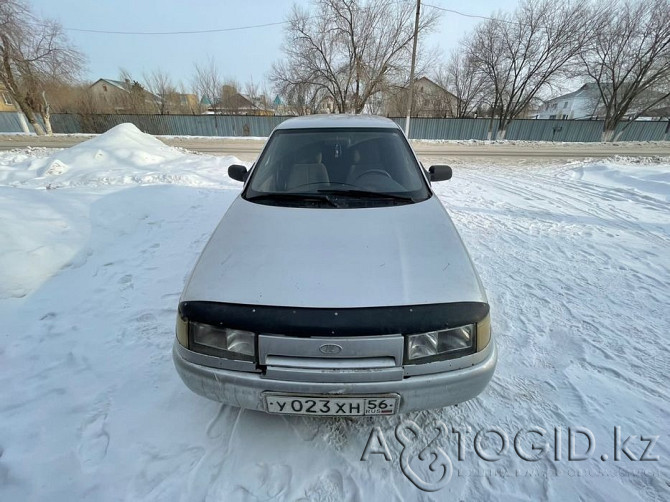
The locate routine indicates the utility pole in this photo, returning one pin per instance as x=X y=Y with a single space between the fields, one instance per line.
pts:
x=411 y=69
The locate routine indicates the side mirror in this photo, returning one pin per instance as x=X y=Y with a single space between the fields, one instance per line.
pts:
x=238 y=172
x=439 y=173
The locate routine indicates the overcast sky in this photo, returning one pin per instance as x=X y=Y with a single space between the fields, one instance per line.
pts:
x=242 y=55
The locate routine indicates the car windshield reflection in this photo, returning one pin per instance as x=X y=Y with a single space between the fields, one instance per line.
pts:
x=369 y=167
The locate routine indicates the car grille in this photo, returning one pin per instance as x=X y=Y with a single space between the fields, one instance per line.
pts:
x=331 y=359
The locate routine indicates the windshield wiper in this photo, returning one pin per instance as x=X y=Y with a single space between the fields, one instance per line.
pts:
x=291 y=197
x=368 y=194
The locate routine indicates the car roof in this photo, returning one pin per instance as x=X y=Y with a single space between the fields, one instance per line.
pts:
x=337 y=120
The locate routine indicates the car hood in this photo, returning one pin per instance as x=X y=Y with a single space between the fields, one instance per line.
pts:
x=335 y=258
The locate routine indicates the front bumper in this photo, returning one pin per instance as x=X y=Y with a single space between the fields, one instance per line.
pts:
x=420 y=392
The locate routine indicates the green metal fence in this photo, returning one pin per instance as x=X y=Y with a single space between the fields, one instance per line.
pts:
x=421 y=128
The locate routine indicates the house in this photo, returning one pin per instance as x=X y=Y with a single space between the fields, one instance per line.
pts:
x=230 y=102
x=580 y=104
x=6 y=101
x=180 y=103
x=116 y=96
x=433 y=100
x=429 y=100
x=326 y=105
x=585 y=103
x=263 y=105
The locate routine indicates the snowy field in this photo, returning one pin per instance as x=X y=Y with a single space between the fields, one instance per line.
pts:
x=95 y=245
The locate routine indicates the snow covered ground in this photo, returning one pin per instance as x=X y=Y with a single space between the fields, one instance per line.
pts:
x=97 y=240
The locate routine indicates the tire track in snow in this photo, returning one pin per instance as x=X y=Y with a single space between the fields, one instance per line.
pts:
x=561 y=197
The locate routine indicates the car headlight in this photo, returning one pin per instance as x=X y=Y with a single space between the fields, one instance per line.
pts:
x=436 y=345
x=222 y=342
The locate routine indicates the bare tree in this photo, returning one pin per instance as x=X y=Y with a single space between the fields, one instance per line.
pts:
x=629 y=59
x=188 y=101
x=302 y=98
x=137 y=99
x=34 y=54
x=208 y=83
x=63 y=97
x=251 y=88
x=259 y=96
x=519 y=54
x=347 y=50
x=160 y=85
x=460 y=76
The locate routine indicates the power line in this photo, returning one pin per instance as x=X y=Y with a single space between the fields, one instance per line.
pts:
x=194 y=32
x=241 y=28
x=486 y=18
x=460 y=13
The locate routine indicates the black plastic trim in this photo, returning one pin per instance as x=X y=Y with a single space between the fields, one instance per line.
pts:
x=364 y=321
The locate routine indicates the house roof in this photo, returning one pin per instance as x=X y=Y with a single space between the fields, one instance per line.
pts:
x=431 y=82
x=244 y=100
x=584 y=89
x=235 y=101
x=118 y=83
x=434 y=84
x=124 y=86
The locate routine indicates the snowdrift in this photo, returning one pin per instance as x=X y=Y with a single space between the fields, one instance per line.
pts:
x=45 y=233
x=643 y=177
x=122 y=155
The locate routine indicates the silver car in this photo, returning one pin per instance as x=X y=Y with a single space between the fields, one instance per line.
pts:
x=336 y=284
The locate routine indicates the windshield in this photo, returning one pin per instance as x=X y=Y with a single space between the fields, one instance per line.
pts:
x=339 y=167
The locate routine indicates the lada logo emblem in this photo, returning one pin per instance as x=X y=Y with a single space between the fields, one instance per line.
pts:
x=330 y=348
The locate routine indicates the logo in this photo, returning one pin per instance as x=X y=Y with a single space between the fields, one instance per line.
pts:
x=434 y=465
x=426 y=464
x=330 y=348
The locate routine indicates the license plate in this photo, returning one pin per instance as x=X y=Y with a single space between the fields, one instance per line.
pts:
x=287 y=404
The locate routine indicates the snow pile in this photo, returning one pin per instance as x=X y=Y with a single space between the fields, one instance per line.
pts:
x=576 y=266
x=122 y=155
x=42 y=233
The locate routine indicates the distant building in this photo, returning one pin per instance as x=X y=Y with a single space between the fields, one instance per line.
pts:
x=429 y=100
x=262 y=104
x=179 y=103
x=116 y=96
x=586 y=103
x=6 y=101
x=326 y=105
x=580 y=104
x=232 y=102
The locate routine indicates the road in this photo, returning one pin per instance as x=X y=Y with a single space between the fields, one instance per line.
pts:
x=248 y=149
